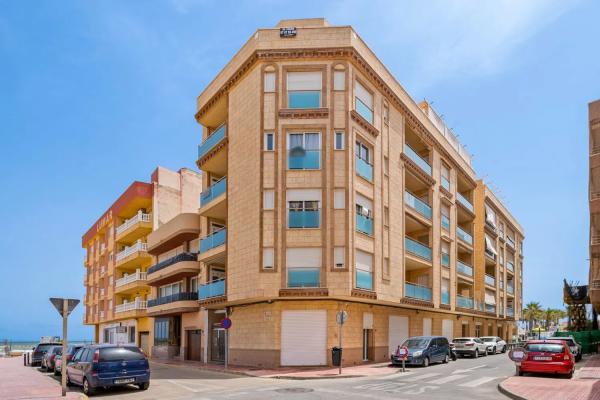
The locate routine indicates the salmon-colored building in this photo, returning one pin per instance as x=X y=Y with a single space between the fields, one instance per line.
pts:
x=594 y=199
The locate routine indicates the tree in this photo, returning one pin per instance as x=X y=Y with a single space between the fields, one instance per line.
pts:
x=532 y=313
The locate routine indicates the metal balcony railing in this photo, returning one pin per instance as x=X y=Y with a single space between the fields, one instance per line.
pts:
x=182 y=296
x=186 y=256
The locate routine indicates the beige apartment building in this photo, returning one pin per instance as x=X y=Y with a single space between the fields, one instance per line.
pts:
x=594 y=193
x=326 y=187
x=118 y=258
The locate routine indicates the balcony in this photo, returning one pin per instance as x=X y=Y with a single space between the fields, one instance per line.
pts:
x=417 y=159
x=213 y=247
x=364 y=224
x=417 y=204
x=135 y=227
x=180 y=229
x=303 y=219
x=212 y=200
x=212 y=290
x=130 y=283
x=464 y=269
x=418 y=292
x=131 y=309
x=364 y=280
x=301 y=159
x=177 y=303
x=417 y=249
x=364 y=169
x=174 y=268
x=464 y=236
x=212 y=141
x=129 y=256
x=462 y=200
x=490 y=280
x=303 y=277
x=490 y=308
x=464 y=302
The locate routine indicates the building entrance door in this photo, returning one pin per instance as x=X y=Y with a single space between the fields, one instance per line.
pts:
x=367 y=344
x=144 y=342
x=194 y=347
x=217 y=344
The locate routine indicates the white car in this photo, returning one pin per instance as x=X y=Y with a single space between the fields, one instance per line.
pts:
x=469 y=346
x=494 y=344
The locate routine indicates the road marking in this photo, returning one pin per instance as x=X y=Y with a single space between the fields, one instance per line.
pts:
x=460 y=371
x=421 y=389
x=421 y=377
x=359 y=394
x=446 y=379
x=204 y=387
x=396 y=375
x=479 y=381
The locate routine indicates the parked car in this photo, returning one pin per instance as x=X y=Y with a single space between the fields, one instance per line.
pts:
x=48 y=358
x=575 y=347
x=71 y=350
x=494 y=344
x=471 y=346
x=547 y=356
x=423 y=350
x=39 y=351
x=107 y=365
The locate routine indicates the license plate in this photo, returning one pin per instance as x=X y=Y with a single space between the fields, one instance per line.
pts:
x=127 y=380
x=542 y=358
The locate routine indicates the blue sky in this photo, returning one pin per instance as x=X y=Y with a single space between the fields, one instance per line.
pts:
x=96 y=94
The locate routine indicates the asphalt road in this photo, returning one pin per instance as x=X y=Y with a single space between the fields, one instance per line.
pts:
x=462 y=379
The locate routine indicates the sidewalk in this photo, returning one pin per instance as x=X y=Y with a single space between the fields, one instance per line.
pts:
x=20 y=382
x=585 y=385
x=378 y=369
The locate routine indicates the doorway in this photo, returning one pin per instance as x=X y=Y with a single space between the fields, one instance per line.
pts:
x=367 y=350
x=217 y=343
x=194 y=345
x=144 y=341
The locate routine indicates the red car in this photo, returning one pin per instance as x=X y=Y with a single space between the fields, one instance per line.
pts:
x=547 y=356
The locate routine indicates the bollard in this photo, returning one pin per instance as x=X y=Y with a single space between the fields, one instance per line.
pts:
x=24 y=359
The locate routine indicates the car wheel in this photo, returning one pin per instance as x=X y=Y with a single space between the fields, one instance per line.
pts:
x=446 y=359
x=69 y=383
x=495 y=350
x=476 y=355
x=144 y=386
x=570 y=375
x=88 y=390
x=426 y=362
x=504 y=349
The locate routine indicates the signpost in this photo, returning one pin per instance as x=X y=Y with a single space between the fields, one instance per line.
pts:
x=340 y=318
x=402 y=353
x=517 y=354
x=64 y=308
x=226 y=324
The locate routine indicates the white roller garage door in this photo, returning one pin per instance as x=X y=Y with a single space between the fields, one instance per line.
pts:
x=397 y=332
x=304 y=337
x=448 y=329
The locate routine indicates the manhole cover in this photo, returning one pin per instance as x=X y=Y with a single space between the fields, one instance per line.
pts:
x=294 y=390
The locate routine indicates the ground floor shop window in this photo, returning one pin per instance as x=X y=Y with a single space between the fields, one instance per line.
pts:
x=167 y=331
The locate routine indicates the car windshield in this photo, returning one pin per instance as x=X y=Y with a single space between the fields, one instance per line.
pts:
x=544 y=347
x=488 y=339
x=416 y=343
x=121 y=354
x=57 y=350
x=44 y=347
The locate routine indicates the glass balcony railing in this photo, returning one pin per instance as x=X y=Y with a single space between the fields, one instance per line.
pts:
x=490 y=280
x=303 y=218
x=214 y=191
x=213 y=240
x=211 y=141
x=363 y=110
x=304 y=159
x=510 y=289
x=212 y=289
x=415 y=291
x=304 y=99
x=463 y=200
x=417 y=249
x=445 y=260
x=417 y=204
x=490 y=308
x=364 y=280
x=464 y=236
x=424 y=165
x=303 y=277
x=445 y=223
x=464 y=302
x=445 y=183
x=364 y=224
x=463 y=268
x=445 y=298
x=364 y=169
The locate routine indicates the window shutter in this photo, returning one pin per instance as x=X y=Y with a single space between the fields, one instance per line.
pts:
x=364 y=95
x=304 y=80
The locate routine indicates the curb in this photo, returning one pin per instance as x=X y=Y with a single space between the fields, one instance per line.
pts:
x=508 y=393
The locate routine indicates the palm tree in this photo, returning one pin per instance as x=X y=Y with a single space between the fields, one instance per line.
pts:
x=532 y=313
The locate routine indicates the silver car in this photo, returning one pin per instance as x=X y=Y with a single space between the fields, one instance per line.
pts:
x=470 y=346
x=494 y=344
x=573 y=346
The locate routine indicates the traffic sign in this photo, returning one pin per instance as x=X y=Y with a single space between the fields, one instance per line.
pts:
x=58 y=304
x=225 y=323
x=517 y=354
x=341 y=317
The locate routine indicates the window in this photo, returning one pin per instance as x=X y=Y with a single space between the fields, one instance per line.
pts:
x=171 y=289
x=339 y=80
x=269 y=82
x=268 y=258
x=445 y=250
x=364 y=161
x=132 y=334
x=303 y=214
x=339 y=199
x=364 y=215
x=465 y=329
x=194 y=284
x=304 y=89
x=339 y=140
x=386 y=165
x=386 y=113
x=269 y=199
x=303 y=267
x=445 y=172
x=445 y=291
x=364 y=270
x=338 y=253
x=363 y=102
x=304 y=150
x=386 y=216
x=490 y=217
x=269 y=141
x=445 y=210
x=477 y=330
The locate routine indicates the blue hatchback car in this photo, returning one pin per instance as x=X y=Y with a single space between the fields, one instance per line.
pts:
x=424 y=350
x=107 y=365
